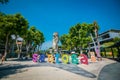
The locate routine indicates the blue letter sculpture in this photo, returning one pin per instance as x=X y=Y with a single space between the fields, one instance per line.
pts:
x=57 y=56
x=42 y=58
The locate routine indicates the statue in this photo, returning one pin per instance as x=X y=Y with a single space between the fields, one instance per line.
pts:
x=55 y=41
x=19 y=42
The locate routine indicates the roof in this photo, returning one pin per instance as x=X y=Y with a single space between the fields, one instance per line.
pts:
x=111 y=30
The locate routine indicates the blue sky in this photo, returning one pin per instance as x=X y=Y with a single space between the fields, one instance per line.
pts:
x=51 y=16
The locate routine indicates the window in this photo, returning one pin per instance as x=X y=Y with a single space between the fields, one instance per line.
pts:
x=106 y=36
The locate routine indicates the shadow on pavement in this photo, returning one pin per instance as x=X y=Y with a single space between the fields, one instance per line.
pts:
x=71 y=68
x=19 y=60
x=110 y=72
x=11 y=69
x=17 y=68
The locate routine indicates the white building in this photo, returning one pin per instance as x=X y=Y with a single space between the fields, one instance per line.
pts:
x=107 y=36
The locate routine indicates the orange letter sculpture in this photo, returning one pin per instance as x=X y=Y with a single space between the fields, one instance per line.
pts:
x=93 y=58
x=50 y=58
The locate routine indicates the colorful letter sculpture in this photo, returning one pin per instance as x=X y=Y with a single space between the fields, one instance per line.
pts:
x=65 y=58
x=42 y=58
x=50 y=58
x=74 y=59
x=35 y=57
x=57 y=56
x=93 y=58
x=84 y=59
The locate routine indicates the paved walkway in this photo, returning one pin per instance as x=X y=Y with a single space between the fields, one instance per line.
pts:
x=110 y=72
x=27 y=70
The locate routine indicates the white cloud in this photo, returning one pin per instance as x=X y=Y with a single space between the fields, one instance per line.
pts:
x=46 y=45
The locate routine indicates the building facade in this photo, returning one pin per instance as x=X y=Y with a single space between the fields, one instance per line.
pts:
x=106 y=36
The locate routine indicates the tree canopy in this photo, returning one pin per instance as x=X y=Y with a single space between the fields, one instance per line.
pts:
x=4 y=1
x=16 y=24
x=78 y=37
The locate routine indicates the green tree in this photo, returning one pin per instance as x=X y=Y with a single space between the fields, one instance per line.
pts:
x=34 y=38
x=39 y=39
x=12 y=24
x=116 y=39
x=79 y=36
x=65 y=41
x=4 y=1
x=93 y=32
x=73 y=32
x=29 y=37
x=97 y=47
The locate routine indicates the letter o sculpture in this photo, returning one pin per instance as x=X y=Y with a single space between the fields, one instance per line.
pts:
x=65 y=58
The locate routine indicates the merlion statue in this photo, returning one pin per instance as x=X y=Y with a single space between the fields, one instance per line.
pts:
x=55 y=41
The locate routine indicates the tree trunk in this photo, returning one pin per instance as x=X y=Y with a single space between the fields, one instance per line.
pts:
x=33 y=49
x=89 y=50
x=98 y=49
x=6 y=46
x=19 y=50
x=95 y=47
x=18 y=55
x=81 y=50
x=40 y=46
x=13 y=48
x=98 y=43
x=27 y=48
x=37 y=48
